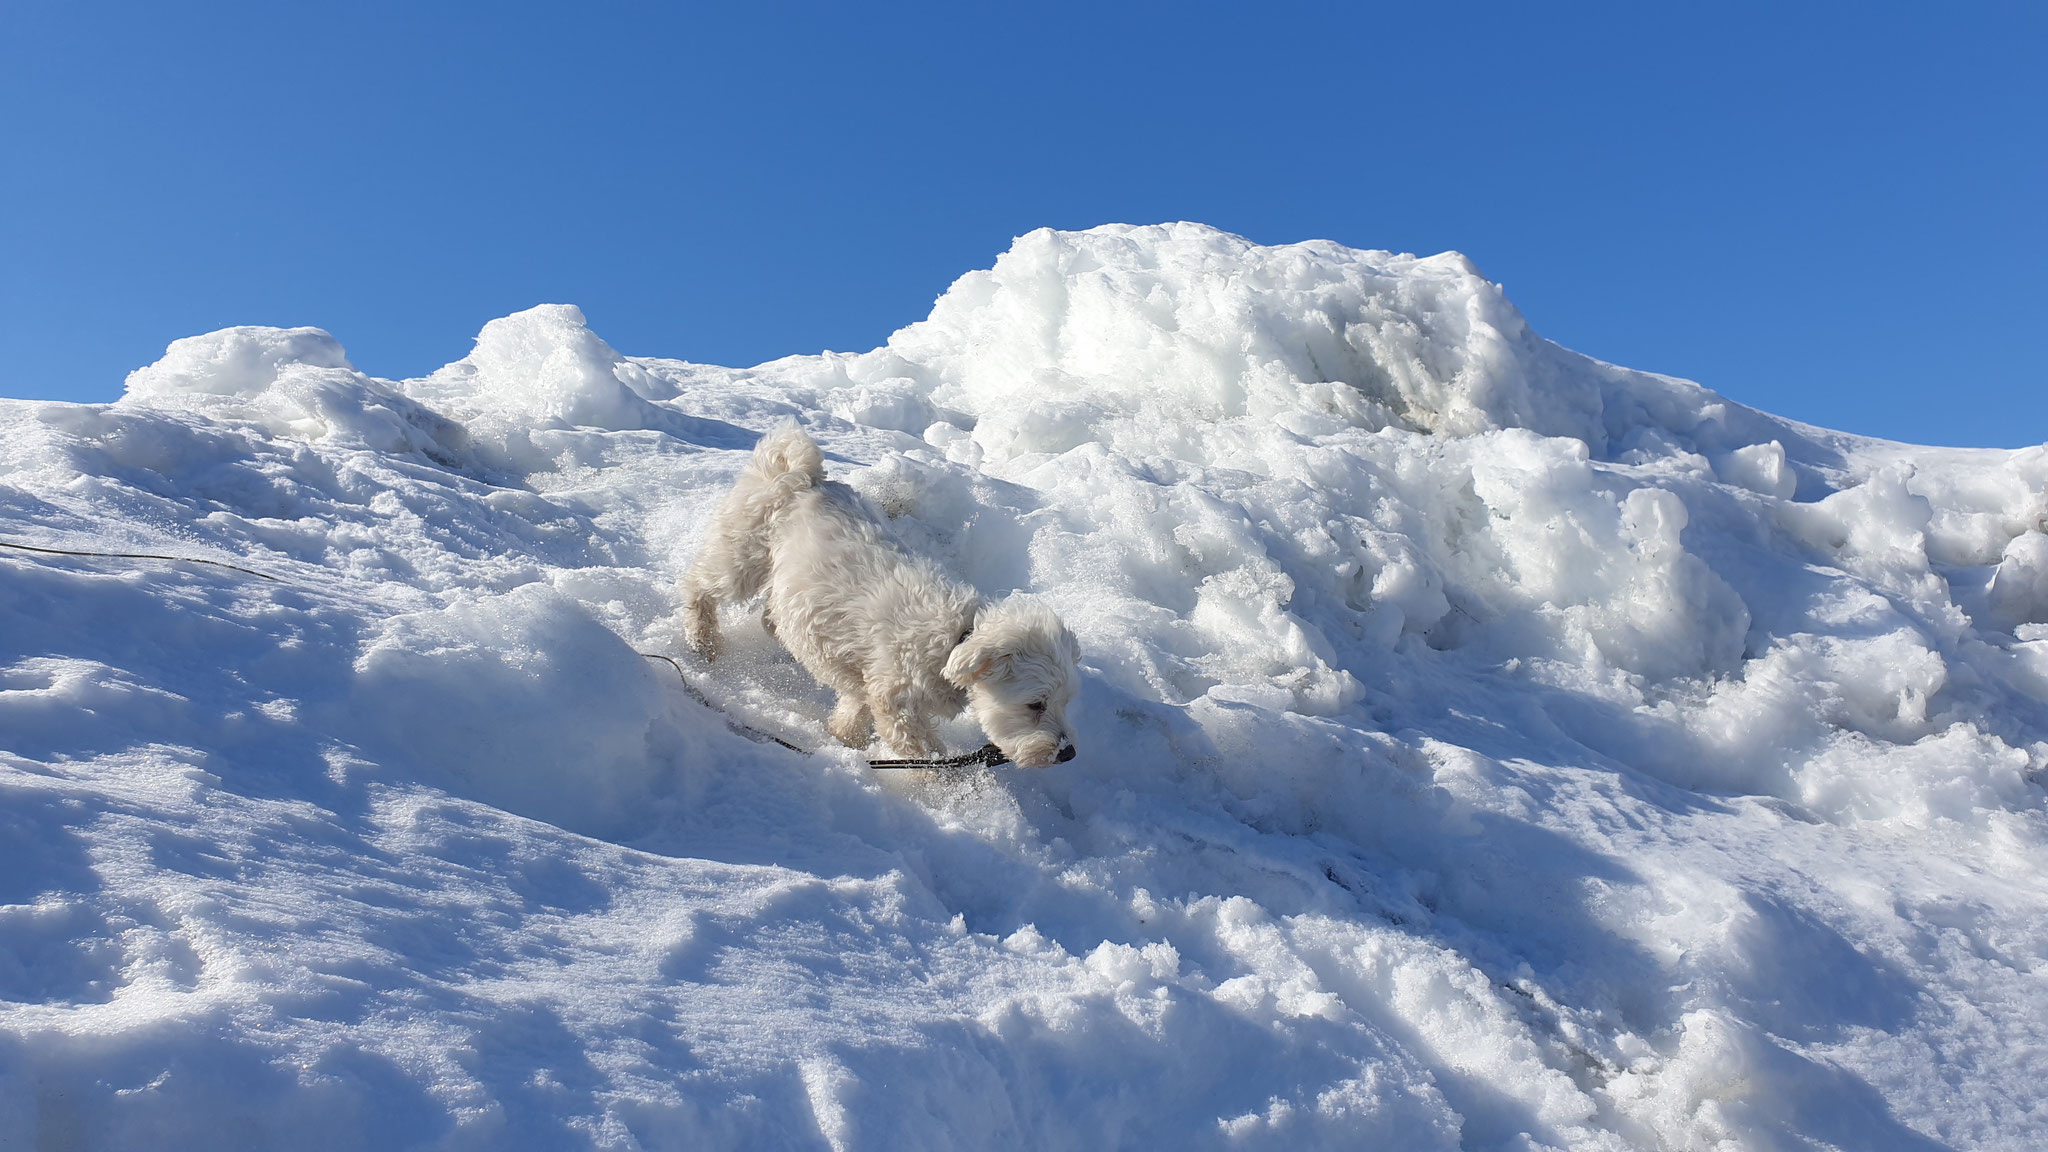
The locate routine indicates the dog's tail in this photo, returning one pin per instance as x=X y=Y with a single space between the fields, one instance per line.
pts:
x=788 y=459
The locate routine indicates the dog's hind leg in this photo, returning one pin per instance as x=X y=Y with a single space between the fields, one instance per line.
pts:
x=729 y=569
x=700 y=622
x=849 y=720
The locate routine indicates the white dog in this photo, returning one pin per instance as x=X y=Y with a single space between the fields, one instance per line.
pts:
x=887 y=631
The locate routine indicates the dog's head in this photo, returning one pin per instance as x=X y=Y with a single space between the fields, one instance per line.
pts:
x=1018 y=667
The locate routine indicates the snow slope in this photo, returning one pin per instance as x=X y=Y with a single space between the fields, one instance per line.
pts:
x=1482 y=746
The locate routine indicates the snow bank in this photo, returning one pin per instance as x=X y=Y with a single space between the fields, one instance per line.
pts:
x=1482 y=746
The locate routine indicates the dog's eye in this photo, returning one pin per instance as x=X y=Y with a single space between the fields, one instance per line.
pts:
x=1036 y=705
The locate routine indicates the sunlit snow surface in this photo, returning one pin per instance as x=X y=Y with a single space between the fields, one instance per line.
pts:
x=1482 y=746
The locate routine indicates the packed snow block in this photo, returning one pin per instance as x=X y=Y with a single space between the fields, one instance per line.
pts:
x=1981 y=500
x=1879 y=526
x=1610 y=579
x=2019 y=587
x=523 y=701
x=2026 y=662
x=1761 y=468
x=897 y=403
x=295 y=383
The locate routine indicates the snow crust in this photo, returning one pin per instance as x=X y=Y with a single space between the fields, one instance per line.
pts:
x=1482 y=746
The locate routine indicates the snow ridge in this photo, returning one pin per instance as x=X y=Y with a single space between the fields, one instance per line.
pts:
x=1482 y=746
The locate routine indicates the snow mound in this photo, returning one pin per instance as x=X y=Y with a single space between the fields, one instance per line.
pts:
x=295 y=383
x=543 y=368
x=1177 y=321
x=1482 y=746
x=235 y=362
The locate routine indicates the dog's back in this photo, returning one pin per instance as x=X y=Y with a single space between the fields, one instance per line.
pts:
x=810 y=529
x=840 y=584
x=819 y=551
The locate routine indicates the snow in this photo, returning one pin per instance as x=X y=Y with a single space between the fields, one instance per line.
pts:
x=1482 y=746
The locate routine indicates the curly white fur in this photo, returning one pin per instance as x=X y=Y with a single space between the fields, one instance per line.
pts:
x=894 y=636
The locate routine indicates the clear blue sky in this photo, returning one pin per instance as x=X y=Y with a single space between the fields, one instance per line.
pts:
x=1834 y=212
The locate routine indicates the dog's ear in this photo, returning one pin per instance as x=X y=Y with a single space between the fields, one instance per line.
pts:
x=974 y=658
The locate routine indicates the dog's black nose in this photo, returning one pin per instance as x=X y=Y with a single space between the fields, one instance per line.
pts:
x=1066 y=754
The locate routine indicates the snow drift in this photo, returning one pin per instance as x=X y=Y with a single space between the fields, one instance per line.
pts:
x=1483 y=746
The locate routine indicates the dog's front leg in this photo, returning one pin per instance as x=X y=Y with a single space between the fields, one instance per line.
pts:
x=848 y=723
x=901 y=724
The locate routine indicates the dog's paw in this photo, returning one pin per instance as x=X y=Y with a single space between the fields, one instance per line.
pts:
x=702 y=641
